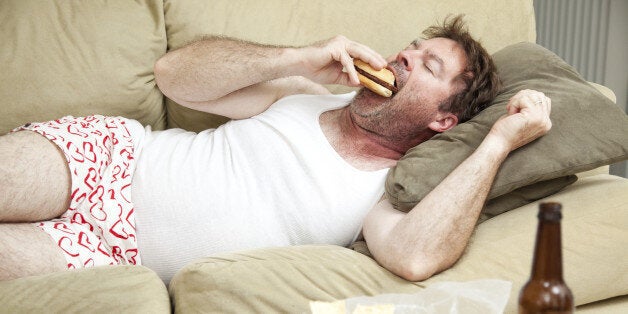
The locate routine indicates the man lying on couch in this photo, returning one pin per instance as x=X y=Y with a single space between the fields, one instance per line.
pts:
x=295 y=166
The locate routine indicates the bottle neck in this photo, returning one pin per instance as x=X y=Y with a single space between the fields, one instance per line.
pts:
x=548 y=260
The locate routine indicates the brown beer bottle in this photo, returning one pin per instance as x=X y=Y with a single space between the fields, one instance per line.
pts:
x=546 y=291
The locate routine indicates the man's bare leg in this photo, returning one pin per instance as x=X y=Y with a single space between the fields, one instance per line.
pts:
x=34 y=178
x=34 y=186
x=26 y=250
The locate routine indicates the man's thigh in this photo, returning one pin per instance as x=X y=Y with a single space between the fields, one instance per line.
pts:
x=34 y=178
x=26 y=250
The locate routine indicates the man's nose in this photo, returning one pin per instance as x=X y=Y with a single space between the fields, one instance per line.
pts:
x=407 y=58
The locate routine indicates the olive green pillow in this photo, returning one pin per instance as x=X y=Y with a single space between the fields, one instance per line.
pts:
x=588 y=131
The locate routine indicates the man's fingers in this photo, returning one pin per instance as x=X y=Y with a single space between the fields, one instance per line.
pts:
x=331 y=61
x=347 y=62
x=528 y=118
x=511 y=109
x=529 y=99
x=372 y=58
x=366 y=54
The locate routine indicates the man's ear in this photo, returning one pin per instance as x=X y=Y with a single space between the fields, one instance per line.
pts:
x=444 y=121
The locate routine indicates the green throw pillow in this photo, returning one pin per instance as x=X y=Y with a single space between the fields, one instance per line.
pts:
x=588 y=131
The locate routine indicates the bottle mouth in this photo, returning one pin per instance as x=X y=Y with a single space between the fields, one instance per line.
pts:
x=550 y=211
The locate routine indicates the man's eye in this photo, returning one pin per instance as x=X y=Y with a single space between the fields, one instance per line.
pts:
x=426 y=67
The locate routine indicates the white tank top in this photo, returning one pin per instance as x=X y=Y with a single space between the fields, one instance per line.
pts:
x=271 y=180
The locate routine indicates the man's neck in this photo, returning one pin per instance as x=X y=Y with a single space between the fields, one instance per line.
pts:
x=362 y=149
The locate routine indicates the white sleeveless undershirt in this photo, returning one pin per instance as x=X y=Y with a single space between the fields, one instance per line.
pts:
x=271 y=180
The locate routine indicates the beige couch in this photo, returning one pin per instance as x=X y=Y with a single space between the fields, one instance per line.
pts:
x=95 y=57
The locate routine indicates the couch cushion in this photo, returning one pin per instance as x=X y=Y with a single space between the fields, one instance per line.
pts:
x=105 y=289
x=594 y=238
x=304 y=22
x=284 y=280
x=80 y=58
x=279 y=280
x=588 y=131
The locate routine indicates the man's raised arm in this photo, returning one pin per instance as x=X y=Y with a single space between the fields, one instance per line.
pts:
x=433 y=235
x=218 y=74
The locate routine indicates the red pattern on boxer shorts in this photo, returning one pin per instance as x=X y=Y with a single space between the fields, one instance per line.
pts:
x=99 y=226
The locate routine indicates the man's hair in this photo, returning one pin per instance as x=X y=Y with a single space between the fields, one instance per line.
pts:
x=479 y=76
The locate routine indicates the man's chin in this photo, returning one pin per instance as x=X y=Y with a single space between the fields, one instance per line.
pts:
x=367 y=103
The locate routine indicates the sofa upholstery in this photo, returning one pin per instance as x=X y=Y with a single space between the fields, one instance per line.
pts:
x=96 y=57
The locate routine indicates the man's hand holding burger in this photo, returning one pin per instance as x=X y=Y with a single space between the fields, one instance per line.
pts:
x=332 y=61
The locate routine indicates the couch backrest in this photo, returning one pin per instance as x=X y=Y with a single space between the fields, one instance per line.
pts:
x=95 y=57
x=80 y=58
x=386 y=26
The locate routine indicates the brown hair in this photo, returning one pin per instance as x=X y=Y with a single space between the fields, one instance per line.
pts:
x=479 y=76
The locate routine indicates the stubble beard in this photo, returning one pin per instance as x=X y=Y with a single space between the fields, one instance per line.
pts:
x=399 y=119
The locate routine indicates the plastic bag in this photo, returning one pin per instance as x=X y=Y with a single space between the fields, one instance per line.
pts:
x=480 y=296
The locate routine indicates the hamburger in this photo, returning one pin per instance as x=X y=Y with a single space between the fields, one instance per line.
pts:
x=381 y=82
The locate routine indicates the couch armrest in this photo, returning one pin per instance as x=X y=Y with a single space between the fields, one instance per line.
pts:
x=605 y=91
x=592 y=172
